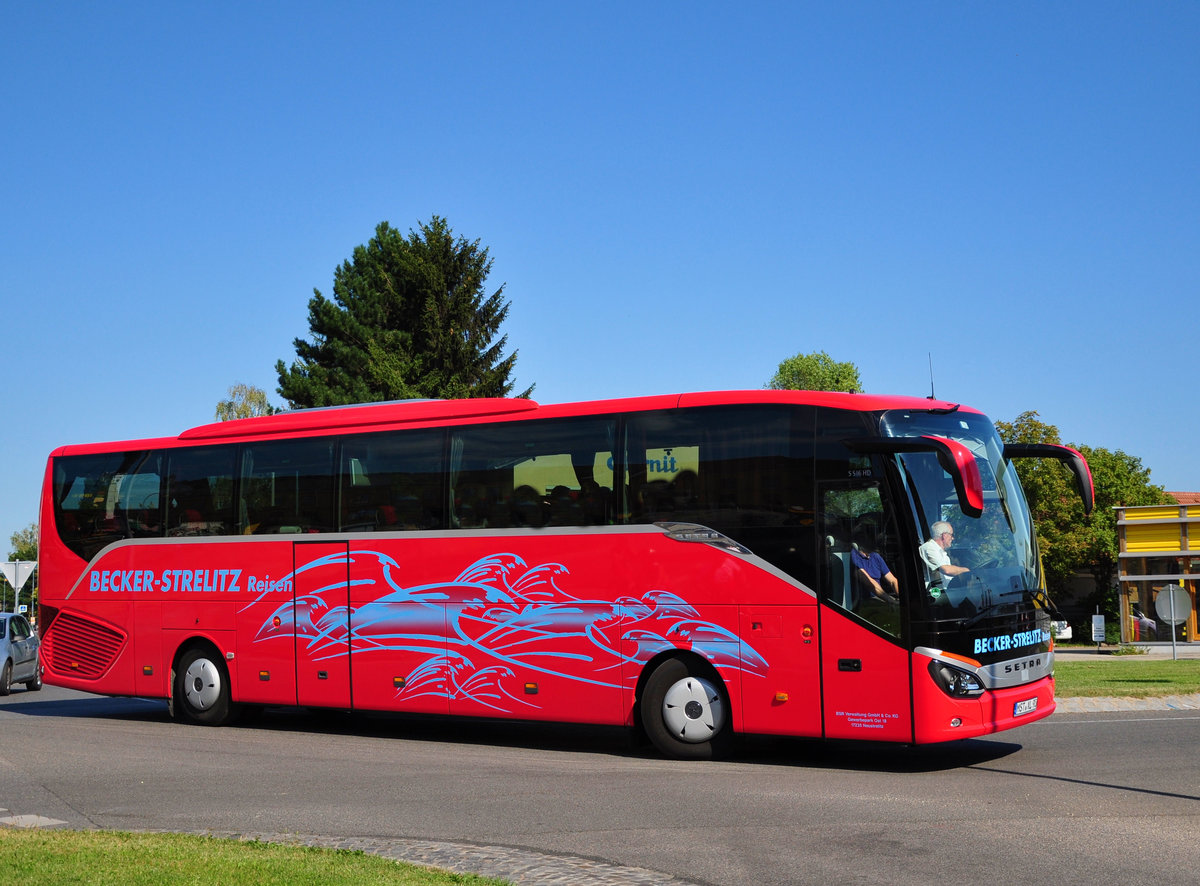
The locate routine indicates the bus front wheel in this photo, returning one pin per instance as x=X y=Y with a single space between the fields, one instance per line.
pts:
x=685 y=711
x=201 y=691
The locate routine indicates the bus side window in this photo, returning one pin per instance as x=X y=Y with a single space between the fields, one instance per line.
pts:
x=744 y=471
x=392 y=482
x=139 y=500
x=532 y=474
x=199 y=491
x=90 y=512
x=287 y=487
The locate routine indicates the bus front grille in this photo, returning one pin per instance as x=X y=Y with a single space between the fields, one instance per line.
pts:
x=76 y=646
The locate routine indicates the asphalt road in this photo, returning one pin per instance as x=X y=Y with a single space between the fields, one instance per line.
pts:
x=1076 y=799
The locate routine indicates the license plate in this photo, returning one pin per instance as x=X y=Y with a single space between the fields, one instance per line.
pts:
x=1028 y=706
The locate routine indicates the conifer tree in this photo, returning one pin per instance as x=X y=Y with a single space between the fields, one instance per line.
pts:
x=409 y=319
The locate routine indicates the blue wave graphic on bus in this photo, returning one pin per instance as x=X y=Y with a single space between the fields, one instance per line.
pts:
x=497 y=615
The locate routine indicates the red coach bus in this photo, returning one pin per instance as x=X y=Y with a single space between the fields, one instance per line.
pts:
x=690 y=565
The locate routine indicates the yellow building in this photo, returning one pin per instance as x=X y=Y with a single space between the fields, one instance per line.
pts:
x=1159 y=549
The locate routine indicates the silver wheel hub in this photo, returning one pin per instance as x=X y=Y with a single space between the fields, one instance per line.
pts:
x=692 y=710
x=202 y=684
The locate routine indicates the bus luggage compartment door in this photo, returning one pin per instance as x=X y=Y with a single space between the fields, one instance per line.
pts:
x=322 y=606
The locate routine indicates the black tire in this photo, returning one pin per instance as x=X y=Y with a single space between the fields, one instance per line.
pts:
x=201 y=690
x=36 y=683
x=6 y=679
x=685 y=711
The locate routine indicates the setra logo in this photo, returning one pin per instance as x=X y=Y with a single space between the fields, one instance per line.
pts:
x=1017 y=667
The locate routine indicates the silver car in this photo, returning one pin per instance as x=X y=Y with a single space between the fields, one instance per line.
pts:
x=18 y=654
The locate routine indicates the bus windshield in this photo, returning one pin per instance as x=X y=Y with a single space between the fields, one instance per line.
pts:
x=998 y=549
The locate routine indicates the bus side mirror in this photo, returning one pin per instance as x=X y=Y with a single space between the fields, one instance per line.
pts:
x=959 y=462
x=1073 y=459
x=955 y=459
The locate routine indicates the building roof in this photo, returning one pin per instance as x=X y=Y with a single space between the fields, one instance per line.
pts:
x=1186 y=498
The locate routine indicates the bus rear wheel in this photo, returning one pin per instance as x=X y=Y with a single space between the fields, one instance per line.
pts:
x=201 y=691
x=685 y=711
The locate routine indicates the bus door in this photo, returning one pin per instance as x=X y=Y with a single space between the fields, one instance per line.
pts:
x=864 y=663
x=321 y=597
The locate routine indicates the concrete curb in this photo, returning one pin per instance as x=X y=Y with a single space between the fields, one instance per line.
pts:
x=518 y=866
x=1085 y=705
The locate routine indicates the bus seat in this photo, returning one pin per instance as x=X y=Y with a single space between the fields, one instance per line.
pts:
x=842 y=588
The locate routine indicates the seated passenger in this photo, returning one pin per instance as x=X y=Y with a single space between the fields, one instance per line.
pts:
x=871 y=572
x=878 y=588
x=563 y=509
x=528 y=508
x=593 y=499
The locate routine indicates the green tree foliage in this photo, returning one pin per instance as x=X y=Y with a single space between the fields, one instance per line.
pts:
x=24 y=547
x=409 y=318
x=244 y=401
x=24 y=543
x=816 y=372
x=1069 y=541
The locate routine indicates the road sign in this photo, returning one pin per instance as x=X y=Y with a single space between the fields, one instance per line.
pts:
x=1173 y=605
x=18 y=573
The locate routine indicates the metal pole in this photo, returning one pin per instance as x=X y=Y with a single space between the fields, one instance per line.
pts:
x=1174 y=655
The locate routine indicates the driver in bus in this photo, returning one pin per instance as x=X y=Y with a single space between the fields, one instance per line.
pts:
x=937 y=560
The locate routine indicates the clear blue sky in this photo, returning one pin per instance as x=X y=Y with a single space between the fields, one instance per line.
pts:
x=676 y=196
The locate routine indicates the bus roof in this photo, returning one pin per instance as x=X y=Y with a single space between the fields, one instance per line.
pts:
x=380 y=416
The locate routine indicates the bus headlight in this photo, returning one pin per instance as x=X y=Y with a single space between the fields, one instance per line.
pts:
x=954 y=681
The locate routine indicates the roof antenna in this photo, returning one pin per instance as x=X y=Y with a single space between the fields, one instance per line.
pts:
x=931 y=394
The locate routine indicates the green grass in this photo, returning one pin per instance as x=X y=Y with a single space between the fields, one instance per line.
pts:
x=1127 y=677
x=53 y=857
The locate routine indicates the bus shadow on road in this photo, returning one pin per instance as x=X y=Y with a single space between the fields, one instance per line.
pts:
x=861 y=756
x=623 y=742
x=566 y=737
x=96 y=706
x=570 y=738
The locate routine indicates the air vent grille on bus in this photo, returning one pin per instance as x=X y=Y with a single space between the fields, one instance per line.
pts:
x=76 y=646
